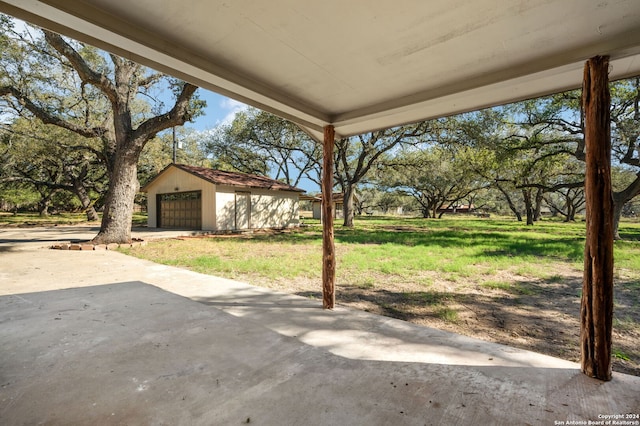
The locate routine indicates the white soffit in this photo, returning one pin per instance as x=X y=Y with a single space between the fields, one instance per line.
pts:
x=359 y=65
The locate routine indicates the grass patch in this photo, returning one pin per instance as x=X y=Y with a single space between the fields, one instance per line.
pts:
x=497 y=285
x=627 y=260
x=428 y=298
x=554 y=279
x=447 y=314
x=403 y=248
x=366 y=282
x=617 y=353
x=526 y=290
x=234 y=258
x=624 y=324
x=510 y=287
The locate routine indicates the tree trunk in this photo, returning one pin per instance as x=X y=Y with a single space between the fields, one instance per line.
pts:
x=617 y=213
x=620 y=199
x=328 y=244
x=92 y=214
x=43 y=206
x=528 y=205
x=530 y=216
x=85 y=201
x=596 y=309
x=571 y=213
x=347 y=206
x=45 y=202
x=512 y=206
x=118 y=210
x=358 y=207
x=569 y=207
x=538 y=210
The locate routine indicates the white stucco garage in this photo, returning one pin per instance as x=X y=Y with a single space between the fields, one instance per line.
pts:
x=192 y=197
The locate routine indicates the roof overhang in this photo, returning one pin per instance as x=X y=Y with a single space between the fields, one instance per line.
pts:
x=224 y=178
x=358 y=65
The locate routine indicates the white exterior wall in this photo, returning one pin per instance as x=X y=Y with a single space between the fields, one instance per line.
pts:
x=225 y=208
x=317 y=209
x=269 y=209
x=274 y=209
x=176 y=180
x=337 y=210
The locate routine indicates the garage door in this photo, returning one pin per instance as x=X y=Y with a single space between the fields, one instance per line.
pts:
x=180 y=210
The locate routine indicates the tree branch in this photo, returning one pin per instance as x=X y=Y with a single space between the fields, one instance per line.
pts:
x=177 y=116
x=48 y=118
x=83 y=69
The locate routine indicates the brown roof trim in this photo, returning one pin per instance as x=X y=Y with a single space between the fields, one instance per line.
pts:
x=220 y=177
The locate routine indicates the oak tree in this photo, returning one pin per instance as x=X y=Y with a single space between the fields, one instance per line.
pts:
x=93 y=94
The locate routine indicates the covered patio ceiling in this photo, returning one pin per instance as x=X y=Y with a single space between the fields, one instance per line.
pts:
x=358 y=65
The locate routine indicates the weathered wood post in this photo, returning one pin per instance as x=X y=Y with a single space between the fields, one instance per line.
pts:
x=596 y=310
x=328 y=246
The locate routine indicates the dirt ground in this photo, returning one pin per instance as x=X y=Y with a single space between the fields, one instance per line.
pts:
x=542 y=316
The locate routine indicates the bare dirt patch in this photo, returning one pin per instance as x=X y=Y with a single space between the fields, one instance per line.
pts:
x=537 y=315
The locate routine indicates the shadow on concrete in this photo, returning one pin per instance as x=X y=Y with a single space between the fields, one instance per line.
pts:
x=541 y=315
x=47 y=234
x=355 y=334
x=132 y=353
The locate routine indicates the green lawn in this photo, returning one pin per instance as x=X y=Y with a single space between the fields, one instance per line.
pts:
x=400 y=247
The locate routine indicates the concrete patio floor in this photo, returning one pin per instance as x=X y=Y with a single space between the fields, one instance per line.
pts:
x=96 y=337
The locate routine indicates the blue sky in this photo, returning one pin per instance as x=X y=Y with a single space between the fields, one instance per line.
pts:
x=219 y=110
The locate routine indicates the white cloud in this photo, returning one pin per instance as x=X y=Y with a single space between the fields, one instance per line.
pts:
x=232 y=107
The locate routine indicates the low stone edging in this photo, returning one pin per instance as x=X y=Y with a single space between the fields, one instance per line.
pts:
x=90 y=246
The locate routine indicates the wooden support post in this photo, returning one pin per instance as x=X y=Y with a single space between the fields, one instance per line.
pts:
x=328 y=246
x=596 y=310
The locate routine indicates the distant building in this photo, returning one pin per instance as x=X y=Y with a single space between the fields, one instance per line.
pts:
x=191 y=197
x=316 y=204
x=457 y=209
